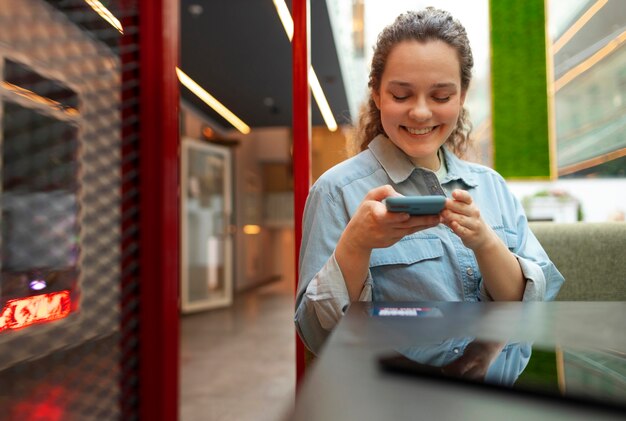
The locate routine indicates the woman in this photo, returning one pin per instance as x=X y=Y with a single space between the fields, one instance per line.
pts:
x=411 y=133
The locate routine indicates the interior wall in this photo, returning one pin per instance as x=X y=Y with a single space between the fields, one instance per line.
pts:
x=263 y=196
x=327 y=149
x=255 y=253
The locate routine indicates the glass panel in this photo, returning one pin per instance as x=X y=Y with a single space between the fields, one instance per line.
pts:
x=68 y=98
x=589 y=84
x=206 y=233
x=39 y=208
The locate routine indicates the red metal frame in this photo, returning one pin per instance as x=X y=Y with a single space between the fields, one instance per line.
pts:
x=301 y=134
x=159 y=211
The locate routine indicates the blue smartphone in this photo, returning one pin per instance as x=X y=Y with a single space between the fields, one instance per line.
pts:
x=416 y=205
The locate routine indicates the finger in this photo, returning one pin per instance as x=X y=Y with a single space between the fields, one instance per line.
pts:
x=462 y=231
x=458 y=228
x=397 y=217
x=476 y=372
x=379 y=193
x=462 y=196
x=425 y=221
x=413 y=230
x=460 y=208
x=466 y=222
x=454 y=206
x=457 y=367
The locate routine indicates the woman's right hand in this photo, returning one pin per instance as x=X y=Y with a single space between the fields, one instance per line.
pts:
x=372 y=226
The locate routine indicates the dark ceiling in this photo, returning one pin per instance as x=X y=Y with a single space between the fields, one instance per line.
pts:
x=238 y=51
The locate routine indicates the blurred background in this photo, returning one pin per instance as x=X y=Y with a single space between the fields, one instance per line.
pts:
x=547 y=102
x=570 y=140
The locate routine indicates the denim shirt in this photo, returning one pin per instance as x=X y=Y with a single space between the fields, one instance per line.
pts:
x=503 y=370
x=430 y=265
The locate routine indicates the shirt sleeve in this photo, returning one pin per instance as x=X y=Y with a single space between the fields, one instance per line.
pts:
x=328 y=294
x=543 y=280
x=324 y=303
x=322 y=294
x=535 y=289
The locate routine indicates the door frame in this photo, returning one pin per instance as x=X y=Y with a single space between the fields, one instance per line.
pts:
x=188 y=144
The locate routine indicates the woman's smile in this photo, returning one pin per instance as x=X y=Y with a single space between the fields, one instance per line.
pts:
x=421 y=131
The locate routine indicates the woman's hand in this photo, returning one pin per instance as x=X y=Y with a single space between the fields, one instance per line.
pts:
x=463 y=217
x=501 y=273
x=475 y=361
x=372 y=226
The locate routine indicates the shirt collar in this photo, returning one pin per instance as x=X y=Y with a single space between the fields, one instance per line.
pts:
x=399 y=167
x=458 y=170
x=395 y=162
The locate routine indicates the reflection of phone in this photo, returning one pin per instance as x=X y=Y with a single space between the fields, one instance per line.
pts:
x=398 y=363
x=416 y=205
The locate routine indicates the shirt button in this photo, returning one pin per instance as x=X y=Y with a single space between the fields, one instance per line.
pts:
x=455 y=350
x=469 y=271
x=433 y=189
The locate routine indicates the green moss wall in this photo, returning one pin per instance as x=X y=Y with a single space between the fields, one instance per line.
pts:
x=519 y=88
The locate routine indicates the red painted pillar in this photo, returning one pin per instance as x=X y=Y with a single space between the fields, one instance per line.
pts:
x=301 y=134
x=159 y=210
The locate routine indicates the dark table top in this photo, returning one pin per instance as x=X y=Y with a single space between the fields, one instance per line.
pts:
x=587 y=379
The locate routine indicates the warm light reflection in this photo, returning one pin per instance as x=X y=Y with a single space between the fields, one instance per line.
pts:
x=22 y=312
x=590 y=62
x=569 y=34
x=212 y=102
x=105 y=14
x=320 y=98
x=251 y=229
x=316 y=88
x=285 y=17
x=25 y=93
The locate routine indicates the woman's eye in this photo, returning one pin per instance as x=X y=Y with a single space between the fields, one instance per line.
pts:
x=442 y=98
x=399 y=97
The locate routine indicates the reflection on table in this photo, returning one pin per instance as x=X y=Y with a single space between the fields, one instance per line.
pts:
x=557 y=360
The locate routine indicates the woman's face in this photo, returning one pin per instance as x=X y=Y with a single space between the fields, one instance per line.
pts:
x=420 y=98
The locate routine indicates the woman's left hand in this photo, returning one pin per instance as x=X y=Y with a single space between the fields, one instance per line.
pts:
x=463 y=217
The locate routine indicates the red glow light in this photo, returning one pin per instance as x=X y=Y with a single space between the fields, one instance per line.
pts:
x=22 y=312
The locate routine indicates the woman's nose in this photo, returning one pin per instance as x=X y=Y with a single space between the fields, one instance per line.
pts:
x=420 y=111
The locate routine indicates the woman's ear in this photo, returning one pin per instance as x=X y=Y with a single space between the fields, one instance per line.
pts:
x=376 y=98
x=463 y=97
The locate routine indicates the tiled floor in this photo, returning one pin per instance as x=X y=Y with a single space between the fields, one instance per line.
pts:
x=238 y=363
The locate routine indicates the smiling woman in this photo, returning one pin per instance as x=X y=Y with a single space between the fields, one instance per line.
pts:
x=474 y=16
x=411 y=135
x=420 y=98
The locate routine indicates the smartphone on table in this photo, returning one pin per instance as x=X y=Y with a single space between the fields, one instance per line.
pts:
x=416 y=205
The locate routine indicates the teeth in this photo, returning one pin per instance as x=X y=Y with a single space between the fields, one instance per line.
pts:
x=420 y=131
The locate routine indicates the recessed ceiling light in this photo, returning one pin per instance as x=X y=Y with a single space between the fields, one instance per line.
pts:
x=195 y=9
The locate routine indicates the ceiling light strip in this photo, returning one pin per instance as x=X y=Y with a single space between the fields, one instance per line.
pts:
x=582 y=21
x=212 y=102
x=590 y=62
x=318 y=94
x=105 y=14
x=285 y=17
x=314 y=83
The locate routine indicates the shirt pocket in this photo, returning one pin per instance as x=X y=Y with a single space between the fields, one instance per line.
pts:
x=409 y=250
x=507 y=236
